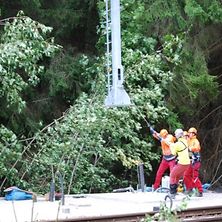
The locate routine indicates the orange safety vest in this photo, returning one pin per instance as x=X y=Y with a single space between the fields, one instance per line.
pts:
x=194 y=145
x=194 y=149
x=165 y=147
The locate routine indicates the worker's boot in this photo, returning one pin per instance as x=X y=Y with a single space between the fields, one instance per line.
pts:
x=173 y=190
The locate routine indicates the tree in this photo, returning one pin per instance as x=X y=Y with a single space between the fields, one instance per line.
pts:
x=164 y=45
x=194 y=93
x=108 y=143
x=23 y=48
x=74 y=26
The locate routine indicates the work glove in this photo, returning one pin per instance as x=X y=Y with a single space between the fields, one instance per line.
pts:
x=152 y=130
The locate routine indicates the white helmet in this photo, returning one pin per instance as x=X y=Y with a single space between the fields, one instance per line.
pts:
x=178 y=133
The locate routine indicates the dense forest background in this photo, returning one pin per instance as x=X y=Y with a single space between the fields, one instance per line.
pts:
x=53 y=86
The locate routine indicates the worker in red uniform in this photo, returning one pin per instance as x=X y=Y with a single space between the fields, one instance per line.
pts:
x=180 y=148
x=168 y=160
x=191 y=176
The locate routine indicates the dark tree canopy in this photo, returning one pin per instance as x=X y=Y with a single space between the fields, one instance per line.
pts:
x=52 y=89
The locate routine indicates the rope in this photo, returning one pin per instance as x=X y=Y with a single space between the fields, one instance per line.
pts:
x=141 y=114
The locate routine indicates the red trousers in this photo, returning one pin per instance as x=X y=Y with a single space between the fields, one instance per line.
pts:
x=191 y=177
x=177 y=173
x=164 y=165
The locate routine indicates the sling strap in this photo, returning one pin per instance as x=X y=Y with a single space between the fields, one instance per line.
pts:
x=184 y=148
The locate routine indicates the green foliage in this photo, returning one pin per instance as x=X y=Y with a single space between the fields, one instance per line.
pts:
x=74 y=28
x=192 y=85
x=74 y=22
x=181 y=56
x=97 y=149
x=167 y=213
x=215 y=11
x=195 y=11
x=22 y=47
x=203 y=11
x=161 y=17
x=10 y=150
x=187 y=20
x=87 y=140
x=90 y=139
x=65 y=76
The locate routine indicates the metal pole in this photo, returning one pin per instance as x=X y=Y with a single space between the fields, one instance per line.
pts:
x=117 y=96
x=61 y=187
x=52 y=191
x=116 y=43
x=141 y=179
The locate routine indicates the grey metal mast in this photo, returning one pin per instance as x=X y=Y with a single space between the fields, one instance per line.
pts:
x=117 y=96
